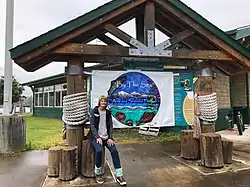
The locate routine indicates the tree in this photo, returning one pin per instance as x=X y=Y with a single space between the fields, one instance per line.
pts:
x=17 y=90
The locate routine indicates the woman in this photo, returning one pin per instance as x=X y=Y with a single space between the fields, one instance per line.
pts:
x=102 y=129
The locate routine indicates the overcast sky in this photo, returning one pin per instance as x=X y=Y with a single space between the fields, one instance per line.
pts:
x=34 y=17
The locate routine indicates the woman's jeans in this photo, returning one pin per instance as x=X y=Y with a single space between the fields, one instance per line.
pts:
x=99 y=151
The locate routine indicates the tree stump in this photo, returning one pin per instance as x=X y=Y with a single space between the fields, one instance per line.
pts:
x=189 y=146
x=68 y=163
x=227 y=149
x=211 y=150
x=54 y=156
x=88 y=159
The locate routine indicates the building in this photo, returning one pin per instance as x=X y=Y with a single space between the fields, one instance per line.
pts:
x=193 y=44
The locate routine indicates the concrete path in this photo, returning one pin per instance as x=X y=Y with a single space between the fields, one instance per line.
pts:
x=25 y=170
x=158 y=165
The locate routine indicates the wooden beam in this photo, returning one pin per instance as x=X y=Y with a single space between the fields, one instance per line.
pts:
x=107 y=40
x=98 y=50
x=119 y=33
x=124 y=36
x=139 y=23
x=149 y=24
x=170 y=33
x=222 y=69
x=175 y=39
x=204 y=32
x=84 y=29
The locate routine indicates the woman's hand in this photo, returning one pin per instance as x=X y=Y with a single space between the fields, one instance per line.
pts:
x=99 y=141
x=110 y=142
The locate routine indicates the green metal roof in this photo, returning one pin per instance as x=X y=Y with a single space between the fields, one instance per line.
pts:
x=67 y=27
x=45 y=80
x=239 y=33
x=111 y=6
x=212 y=28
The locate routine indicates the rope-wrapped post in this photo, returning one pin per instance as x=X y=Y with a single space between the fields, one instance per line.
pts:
x=75 y=114
x=207 y=100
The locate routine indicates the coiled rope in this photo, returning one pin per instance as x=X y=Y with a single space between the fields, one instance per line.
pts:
x=75 y=109
x=208 y=107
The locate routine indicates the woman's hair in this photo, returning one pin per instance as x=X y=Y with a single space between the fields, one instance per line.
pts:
x=100 y=98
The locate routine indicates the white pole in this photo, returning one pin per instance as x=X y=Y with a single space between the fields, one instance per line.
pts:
x=8 y=67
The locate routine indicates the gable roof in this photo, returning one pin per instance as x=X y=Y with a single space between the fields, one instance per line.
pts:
x=107 y=8
x=211 y=27
x=67 y=27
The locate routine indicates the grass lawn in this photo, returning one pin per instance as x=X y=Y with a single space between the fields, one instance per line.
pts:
x=43 y=133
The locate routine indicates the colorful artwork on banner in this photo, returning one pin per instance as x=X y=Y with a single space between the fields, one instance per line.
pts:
x=134 y=99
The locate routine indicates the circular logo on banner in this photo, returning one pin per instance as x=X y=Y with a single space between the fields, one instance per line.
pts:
x=133 y=99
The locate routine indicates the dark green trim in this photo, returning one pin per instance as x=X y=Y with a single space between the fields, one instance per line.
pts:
x=209 y=26
x=48 y=112
x=45 y=80
x=67 y=27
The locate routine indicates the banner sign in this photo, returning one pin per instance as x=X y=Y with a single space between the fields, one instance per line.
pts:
x=184 y=99
x=136 y=98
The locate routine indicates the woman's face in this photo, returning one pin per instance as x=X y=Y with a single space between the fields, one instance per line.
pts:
x=103 y=103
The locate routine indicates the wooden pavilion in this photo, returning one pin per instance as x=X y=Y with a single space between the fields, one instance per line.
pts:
x=191 y=41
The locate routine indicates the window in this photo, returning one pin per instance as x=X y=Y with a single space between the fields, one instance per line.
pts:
x=48 y=96
x=39 y=97
x=60 y=92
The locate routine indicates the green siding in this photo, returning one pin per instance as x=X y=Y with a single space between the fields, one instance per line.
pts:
x=222 y=123
x=48 y=112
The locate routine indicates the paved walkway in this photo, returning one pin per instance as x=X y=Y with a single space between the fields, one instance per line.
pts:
x=24 y=170
x=155 y=165
x=149 y=165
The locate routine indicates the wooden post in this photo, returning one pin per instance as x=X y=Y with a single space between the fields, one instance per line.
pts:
x=139 y=22
x=75 y=84
x=54 y=157
x=68 y=163
x=12 y=133
x=227 y=149
x=189 y=146
x=88 y=159
x=149 y=24
x=205 y=87
x=211 y=150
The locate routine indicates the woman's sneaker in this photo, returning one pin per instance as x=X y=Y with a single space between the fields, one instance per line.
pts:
x=121 y=181
x=99 y=179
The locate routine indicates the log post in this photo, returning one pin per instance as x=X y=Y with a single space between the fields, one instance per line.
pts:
x=88 y=159
x=54 y=156
x=227 y=149
x=68 y=169
x=189 y=145
x=205 y=87
x=211 y=150
x=75 y=84
x=12 y=133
